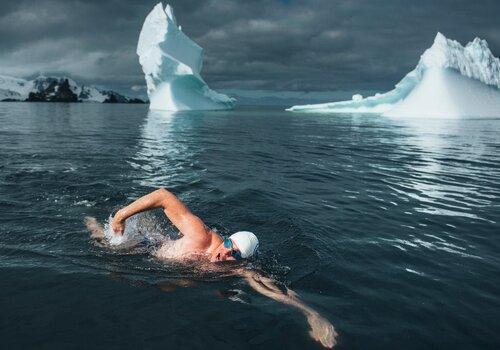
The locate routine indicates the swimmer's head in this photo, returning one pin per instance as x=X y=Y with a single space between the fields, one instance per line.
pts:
x=240 y=245
x=246 y=242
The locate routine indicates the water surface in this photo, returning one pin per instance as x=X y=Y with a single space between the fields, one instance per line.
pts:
x=388 y=228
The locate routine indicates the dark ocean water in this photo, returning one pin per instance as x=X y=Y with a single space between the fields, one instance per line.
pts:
x=390 y=229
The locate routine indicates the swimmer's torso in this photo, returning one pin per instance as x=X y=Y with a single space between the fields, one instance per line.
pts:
x=185 y=248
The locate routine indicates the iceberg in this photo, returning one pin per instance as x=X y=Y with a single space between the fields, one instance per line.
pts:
x=449 y=81
x=172 y=63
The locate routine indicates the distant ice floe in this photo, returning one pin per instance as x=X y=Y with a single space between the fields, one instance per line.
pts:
x=172 y=63
x=450 y=81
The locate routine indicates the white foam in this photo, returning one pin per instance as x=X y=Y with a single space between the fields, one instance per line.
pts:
x=415 y=272
x=138 y=228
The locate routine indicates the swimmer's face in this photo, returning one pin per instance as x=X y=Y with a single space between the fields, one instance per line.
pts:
x=223 y=253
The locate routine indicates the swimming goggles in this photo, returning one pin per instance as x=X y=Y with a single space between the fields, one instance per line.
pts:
x=229 y=245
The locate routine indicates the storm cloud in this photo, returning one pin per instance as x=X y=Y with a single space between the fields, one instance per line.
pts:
x=316 y=45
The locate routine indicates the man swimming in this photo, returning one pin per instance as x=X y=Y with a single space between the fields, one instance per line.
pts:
x=200 y=243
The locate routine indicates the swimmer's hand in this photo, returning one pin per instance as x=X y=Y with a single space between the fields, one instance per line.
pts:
x=321 y=330
x=118 y=224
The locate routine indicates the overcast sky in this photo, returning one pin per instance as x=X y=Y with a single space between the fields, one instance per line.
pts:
x=315 y=45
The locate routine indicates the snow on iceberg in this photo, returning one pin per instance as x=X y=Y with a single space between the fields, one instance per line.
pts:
x=171 y=63
x=449 y=81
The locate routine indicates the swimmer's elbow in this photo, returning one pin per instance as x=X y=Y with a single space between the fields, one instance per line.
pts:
x=163 y=191
x=164 y=196
x=170 y=202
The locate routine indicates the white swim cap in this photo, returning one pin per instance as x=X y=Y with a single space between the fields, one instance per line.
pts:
x=247 y=243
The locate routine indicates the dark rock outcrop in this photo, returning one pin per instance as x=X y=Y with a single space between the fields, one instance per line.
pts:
x=114 y=97
x=56 y=91
x=136 y=100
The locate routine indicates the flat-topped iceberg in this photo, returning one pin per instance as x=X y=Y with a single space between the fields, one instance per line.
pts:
x=449 y=81
x=172 y=63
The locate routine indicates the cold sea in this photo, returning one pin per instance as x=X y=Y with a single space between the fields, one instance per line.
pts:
x=388 y=228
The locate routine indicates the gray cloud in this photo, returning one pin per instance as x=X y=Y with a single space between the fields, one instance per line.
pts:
x=316 y=45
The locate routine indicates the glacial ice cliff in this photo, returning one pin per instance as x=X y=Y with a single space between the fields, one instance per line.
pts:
x=172 y=63
x=449 y=81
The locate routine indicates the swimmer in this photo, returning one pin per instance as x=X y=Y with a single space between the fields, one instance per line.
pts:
x=200 y=243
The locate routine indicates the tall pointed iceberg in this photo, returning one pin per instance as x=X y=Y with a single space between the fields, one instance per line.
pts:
x=449 y=81
x=172 y=63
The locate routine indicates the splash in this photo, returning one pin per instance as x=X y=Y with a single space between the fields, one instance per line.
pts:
x=140 y=230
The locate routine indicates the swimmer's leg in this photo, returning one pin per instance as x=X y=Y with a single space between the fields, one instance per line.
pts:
x=95 y=228
x=171 y=285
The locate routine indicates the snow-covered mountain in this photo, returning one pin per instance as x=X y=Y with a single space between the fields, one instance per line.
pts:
x=172 y=63
x=449 y=81
x=14 y=88
x=56 y=89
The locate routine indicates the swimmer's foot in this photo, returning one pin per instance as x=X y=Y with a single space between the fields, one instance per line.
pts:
x=95 y=228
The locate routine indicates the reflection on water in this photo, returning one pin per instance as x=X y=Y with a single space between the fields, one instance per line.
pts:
x=448 y=179
x=156 y=152
x=438 y=169
x=167 y=150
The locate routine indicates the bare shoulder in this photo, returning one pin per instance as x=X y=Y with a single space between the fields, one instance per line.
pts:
x=193 y=227
x=189 y=224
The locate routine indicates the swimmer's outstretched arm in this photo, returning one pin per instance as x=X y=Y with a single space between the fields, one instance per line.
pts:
x=188 y=223
x=321 y=329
